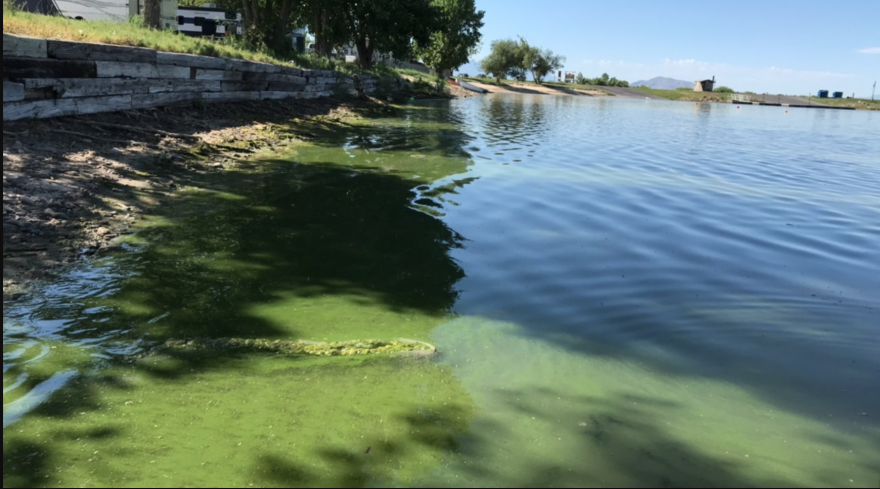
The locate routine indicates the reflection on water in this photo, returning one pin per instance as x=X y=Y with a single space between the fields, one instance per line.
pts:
x=647 y=294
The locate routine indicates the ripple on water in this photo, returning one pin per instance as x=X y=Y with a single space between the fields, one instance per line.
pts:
x=649 y=292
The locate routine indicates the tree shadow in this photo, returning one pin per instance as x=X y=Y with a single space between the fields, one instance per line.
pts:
x=431 y=435
x=25 y=464
x=619 y=441
x=76 y=166
x=290 y=234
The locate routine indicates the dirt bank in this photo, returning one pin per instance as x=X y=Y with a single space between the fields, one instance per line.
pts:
x=512 y=87
x=72 y=185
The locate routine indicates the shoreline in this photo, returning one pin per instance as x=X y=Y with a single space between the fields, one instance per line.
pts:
x=72 y=185
x=513 y=88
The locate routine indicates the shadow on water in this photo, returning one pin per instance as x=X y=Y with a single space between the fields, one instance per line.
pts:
x=340 y=230
x=328 y=250
x=612 y=441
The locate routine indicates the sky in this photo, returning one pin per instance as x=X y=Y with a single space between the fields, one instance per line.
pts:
x=770 y=46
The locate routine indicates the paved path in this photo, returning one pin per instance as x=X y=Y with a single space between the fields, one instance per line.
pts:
x=783 y=99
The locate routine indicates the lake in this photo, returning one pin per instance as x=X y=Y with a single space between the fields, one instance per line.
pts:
x=622 y=292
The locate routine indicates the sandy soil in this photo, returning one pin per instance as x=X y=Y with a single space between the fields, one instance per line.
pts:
x=72 y=185
x=512 y=87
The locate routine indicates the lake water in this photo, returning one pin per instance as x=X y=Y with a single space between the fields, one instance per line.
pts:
x=623 y=292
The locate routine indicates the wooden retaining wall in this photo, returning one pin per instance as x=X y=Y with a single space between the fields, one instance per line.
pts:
x=47 y=78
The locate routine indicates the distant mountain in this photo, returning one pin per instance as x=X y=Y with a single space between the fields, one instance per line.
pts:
x=663 y=83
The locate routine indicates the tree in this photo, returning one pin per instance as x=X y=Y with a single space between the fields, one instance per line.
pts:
x=580 y=79
x=324 y=21
x=725 y=90
x=503 y=58
x=268 y=22
x=456 y=38
x=541 y=62
x=152 y=14
x=388 y=26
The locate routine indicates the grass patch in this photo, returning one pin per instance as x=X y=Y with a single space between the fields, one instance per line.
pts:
x=135 y=34
x=686 y=95
x=856 y=103
x=132 y=34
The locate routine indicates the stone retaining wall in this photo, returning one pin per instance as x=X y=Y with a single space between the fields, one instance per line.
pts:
x=47 y=78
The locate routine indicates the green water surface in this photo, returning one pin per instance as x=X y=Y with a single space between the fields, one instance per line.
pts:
x=577 y=347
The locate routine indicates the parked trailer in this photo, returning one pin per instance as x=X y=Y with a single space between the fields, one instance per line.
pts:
x=206 y=21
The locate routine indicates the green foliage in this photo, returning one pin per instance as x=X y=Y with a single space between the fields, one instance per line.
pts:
x=504 y=58
x=389 y=26
x=606 y=81
x=325 y=21
x=131 y=33
x=517 y=58
x=685 y=89
x=580 y=79
x=724 y=90
x=541 y=62
x=456 y=38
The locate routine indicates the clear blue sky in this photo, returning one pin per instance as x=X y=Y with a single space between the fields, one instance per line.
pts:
x=774 y=46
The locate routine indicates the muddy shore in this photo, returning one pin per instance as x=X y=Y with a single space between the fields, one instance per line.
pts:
x=72 y=185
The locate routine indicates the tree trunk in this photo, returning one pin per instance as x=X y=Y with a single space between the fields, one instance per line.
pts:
x=365 y=53
x=280 y=44
x=153 y=14
x=323 y=47
x=317 y=29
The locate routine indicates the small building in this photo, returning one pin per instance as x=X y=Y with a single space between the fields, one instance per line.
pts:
x=567 y=77
x=704 y=85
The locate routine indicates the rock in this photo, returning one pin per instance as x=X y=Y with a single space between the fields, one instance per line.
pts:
x=101 y=231
x=17 y=145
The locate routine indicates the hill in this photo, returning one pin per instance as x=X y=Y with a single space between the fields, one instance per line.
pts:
x=663 y=83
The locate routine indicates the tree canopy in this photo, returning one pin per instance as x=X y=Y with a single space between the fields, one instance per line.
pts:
x=541 y=62
x=517 y=58
x=388 y=26
x=442 y=32
x=605 y=81
x=456 y=37
x=503 y=58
